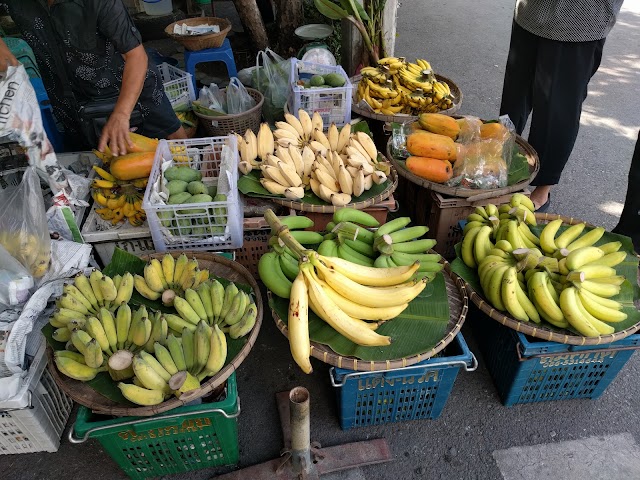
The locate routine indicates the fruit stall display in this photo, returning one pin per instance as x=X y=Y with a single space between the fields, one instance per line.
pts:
x=173 y=326
x=300 y=162
x=554 y=278
x=355 y=297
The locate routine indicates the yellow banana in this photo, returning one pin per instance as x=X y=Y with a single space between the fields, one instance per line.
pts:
x=125 y=290
x=599 y=311
x=376 y=277
x=217 y=352
x=141 y=395
x=74 y=369
x=548 y=234
x=186 y=311
x=148 y=376
x=298 y=323
x=587 y=240
x=143 y=288
x=509 y=295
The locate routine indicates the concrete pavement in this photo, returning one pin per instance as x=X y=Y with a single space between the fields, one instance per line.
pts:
x=476 y=437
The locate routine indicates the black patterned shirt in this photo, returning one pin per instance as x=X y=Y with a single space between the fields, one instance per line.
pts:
x=568 y=20
x=78 y=46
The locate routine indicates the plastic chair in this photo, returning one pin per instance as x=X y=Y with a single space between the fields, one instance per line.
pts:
x=221 y=54
x=48 y=120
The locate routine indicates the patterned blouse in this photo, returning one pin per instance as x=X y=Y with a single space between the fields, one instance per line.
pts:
x=568 y=20
x=78 y=46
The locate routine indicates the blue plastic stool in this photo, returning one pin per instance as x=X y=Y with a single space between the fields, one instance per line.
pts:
x=221 y=54
x=48 y=120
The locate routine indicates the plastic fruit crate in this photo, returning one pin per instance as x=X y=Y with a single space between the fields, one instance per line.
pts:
x=332 y=103
x=529 y=370
x=411 y=393
x=177 y=85
x=34 y=419
x=196 y=226
x=181 y=440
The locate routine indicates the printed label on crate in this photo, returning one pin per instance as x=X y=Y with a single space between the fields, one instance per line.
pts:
x=371 y=383
x=136 y=246
x=576 y=358
x=187 y=426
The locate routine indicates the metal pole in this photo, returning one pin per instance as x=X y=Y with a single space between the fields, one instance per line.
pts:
x=300 y=430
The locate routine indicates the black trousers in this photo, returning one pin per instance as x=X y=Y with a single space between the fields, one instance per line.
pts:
x=549 y=78
x=629 y=223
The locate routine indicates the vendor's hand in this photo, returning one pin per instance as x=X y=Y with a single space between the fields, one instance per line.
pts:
x=115 y=134
x=6 y=58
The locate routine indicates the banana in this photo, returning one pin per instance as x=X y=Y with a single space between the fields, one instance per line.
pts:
x=528 y=235
x=62 y=334
x=246 y=323
x=177 y=324
x=96 y=330
x=188 y=348
x=347 y=253
x=547 y=236
x=610 y=259
x=601 y=289
x=125 y=290
x=74 y=369
x=123 y=324
x=581 y=256
x=415 y=246
x=599 y=311
x=572 y=312
x=598 y=273
x=230 y=293
x=298 y=323
x=601 y=327
x=186 y=311
x=143 y=288
x=306 y=122
x=359 y=246
x=217 y=352
x=607 y=302
x=108 y=289
x=201 y=346
x=370 y=276
x=367 y=143
x=109 y=327
x=587 y=240
x=265 y=140
x=238 y=306
x=272 y=276
x=168 y=268
x=358 y=183
x=141 y=332
x=71 y=290
x=148 y=376
x=510 y=297
x=345 y=181
x=82 y=283
x=467 y=250
x=289 y=174
x=80 y=339
x=141 y=395
x=93 y=356
x=177 y=355
x=179 y=268
x=569 y=235
x=273 y=187
x=492 y=287
x=78 y=357
x=544 y=301
x=408 y=234
x=196 y=303
x=482 y=244
x=217 y=299
x=204 y=292
x=71 y=303
x=327 y=310
x=610 y=247
x=159 y=332
x=343 y=138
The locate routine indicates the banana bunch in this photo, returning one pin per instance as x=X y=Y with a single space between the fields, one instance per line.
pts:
x=298 y=156
x=397 y=86
x=169 y=277
x=30 y=250
x=118 y=201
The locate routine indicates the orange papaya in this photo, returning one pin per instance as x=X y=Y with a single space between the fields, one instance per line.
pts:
x=132 y=165
x=432 y=169
x=493 y=130
x=440 y=124
x=432 y=145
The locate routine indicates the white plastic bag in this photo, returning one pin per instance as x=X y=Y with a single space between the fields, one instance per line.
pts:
x=238 y=99
x=15 y=281
x=272 y=80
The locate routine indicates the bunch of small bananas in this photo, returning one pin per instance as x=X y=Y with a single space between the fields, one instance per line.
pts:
x=118 y=201
x=30 y=250
x=563 y=279
x=397 y=86
x=169 y=277
x=299 y=156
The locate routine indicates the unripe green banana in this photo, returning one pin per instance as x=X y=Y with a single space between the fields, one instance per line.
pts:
x=201 y=346
x=205 y=297
x=108 y=289
x=415 y=246
x=185 y=310
x=123 y=323
x=75 y=370
x=142 y=333
x=238 y=306
x=116 y=281
x=408 y=234
x=141 y=395
x=247 y=322
x=188 y=348
x=392 y=226
x=216 y=291
x=177 y=323
x=62 y=334
x=175 y=348
x=289 y=265
x=230 y=292
x=296 y=222
x=195 y=302
x=164 y=357
x=159 y=332
x=272 y=276
x=360 y=217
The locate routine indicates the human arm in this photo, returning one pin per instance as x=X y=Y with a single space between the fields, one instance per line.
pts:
x=115 y=133
x=7 y=58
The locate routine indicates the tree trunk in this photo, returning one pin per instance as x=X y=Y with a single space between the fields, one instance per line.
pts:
x=289 y=16
x=252 y=20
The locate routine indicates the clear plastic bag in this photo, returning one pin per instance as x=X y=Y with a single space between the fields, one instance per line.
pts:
x=272 y=80
x=15 y=281
x=212 y=98
x=238 y=99
x=23 y=224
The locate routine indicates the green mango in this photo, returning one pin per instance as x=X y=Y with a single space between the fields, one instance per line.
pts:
x=177 y=186
x=334 y=79
x=197 y=188
x=184 y=226
x=212 y=190
x=186 y=174
x=201 y=198
x=166 y=218
x=179 y=198
x=316 y=81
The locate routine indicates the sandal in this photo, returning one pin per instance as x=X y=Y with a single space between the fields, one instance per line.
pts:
x=545 y=206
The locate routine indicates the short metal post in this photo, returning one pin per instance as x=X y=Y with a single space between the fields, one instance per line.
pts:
x=300 y=430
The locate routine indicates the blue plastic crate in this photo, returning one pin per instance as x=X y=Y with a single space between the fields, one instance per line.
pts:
x=416 y=392
x=529 y=370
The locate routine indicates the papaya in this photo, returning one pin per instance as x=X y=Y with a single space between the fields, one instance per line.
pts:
x=493 y=130
x=432 y=169
x=142 y=143
x=440 y=124
x=132 y=165
x=432 y=145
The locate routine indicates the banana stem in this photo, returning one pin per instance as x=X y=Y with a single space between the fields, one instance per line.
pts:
x=283 y=234
x=548 y=263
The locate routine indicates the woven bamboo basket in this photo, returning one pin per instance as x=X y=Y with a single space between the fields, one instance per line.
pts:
x=456 y=93
x=218 y=266
x=540 y=331
x=472 y=194
x=458 y=307
x=221 y=125
x=206 y=40
x=310 y=207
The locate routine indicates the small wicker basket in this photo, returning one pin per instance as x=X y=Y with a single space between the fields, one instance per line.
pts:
x=206 y=40
x=221 y=125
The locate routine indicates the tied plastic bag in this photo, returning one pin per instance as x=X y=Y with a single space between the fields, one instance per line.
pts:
x=23 y=224
x=238 y=99
x=211 y=101
x=272 y=80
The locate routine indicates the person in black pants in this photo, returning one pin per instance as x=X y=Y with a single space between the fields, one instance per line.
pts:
x=629 y=223
x=556 y=47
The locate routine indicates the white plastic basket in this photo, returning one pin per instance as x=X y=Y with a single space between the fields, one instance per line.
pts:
x=332 y=103
x=218 y=224
x=33 y=420
x=177 y=85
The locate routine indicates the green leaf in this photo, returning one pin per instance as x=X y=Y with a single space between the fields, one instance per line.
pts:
x=347 y=5
x=518 y=169
x=330 y=9
x=417 y=330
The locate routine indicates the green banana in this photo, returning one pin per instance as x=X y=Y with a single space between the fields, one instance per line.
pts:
x=177 y=354
x=355 y=216
x=296 y=222
x=217 y=298
x=272 y=276
x=246 y=323
x=192 y=297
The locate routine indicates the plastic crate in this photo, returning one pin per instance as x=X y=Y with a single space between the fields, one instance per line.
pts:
x=205 y=155
x=177 y=85
x=416 y=392
x=181 y=440
x=332 y=103
x=34 y=419
x=529 y=370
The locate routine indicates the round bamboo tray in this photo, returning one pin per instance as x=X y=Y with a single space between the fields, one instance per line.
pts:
x=458 y=306
x=218 y=266
x=540 y=331
x=477 y=194
x=310 y=207
x=456 y=93
x=205 y=40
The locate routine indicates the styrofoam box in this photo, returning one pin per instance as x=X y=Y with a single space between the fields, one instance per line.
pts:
x=34 y=419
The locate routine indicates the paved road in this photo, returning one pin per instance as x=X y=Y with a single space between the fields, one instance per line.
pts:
x=476 y=437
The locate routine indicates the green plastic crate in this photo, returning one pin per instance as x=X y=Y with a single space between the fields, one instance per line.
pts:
x=180 y=440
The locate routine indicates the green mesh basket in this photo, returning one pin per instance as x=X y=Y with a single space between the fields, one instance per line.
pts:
x=181 y=440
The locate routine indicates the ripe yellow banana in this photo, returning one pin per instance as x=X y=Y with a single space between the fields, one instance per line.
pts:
x=217 y=352
x=185 y=310
x=548 y=234
x=587 y=240
x=298 y=323
x=372 y=276
x=148 y=376
x=74 y=369
x=141 y=395
x=143 y=288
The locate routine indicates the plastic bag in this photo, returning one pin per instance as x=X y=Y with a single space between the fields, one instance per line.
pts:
x=15 y=281
x=272 y=80
x=238 y=99
x=247 y=76
x=23 y=224
x=212 y=98
x=469 y=129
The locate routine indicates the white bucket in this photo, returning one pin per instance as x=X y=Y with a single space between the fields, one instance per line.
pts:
x=157 y=7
